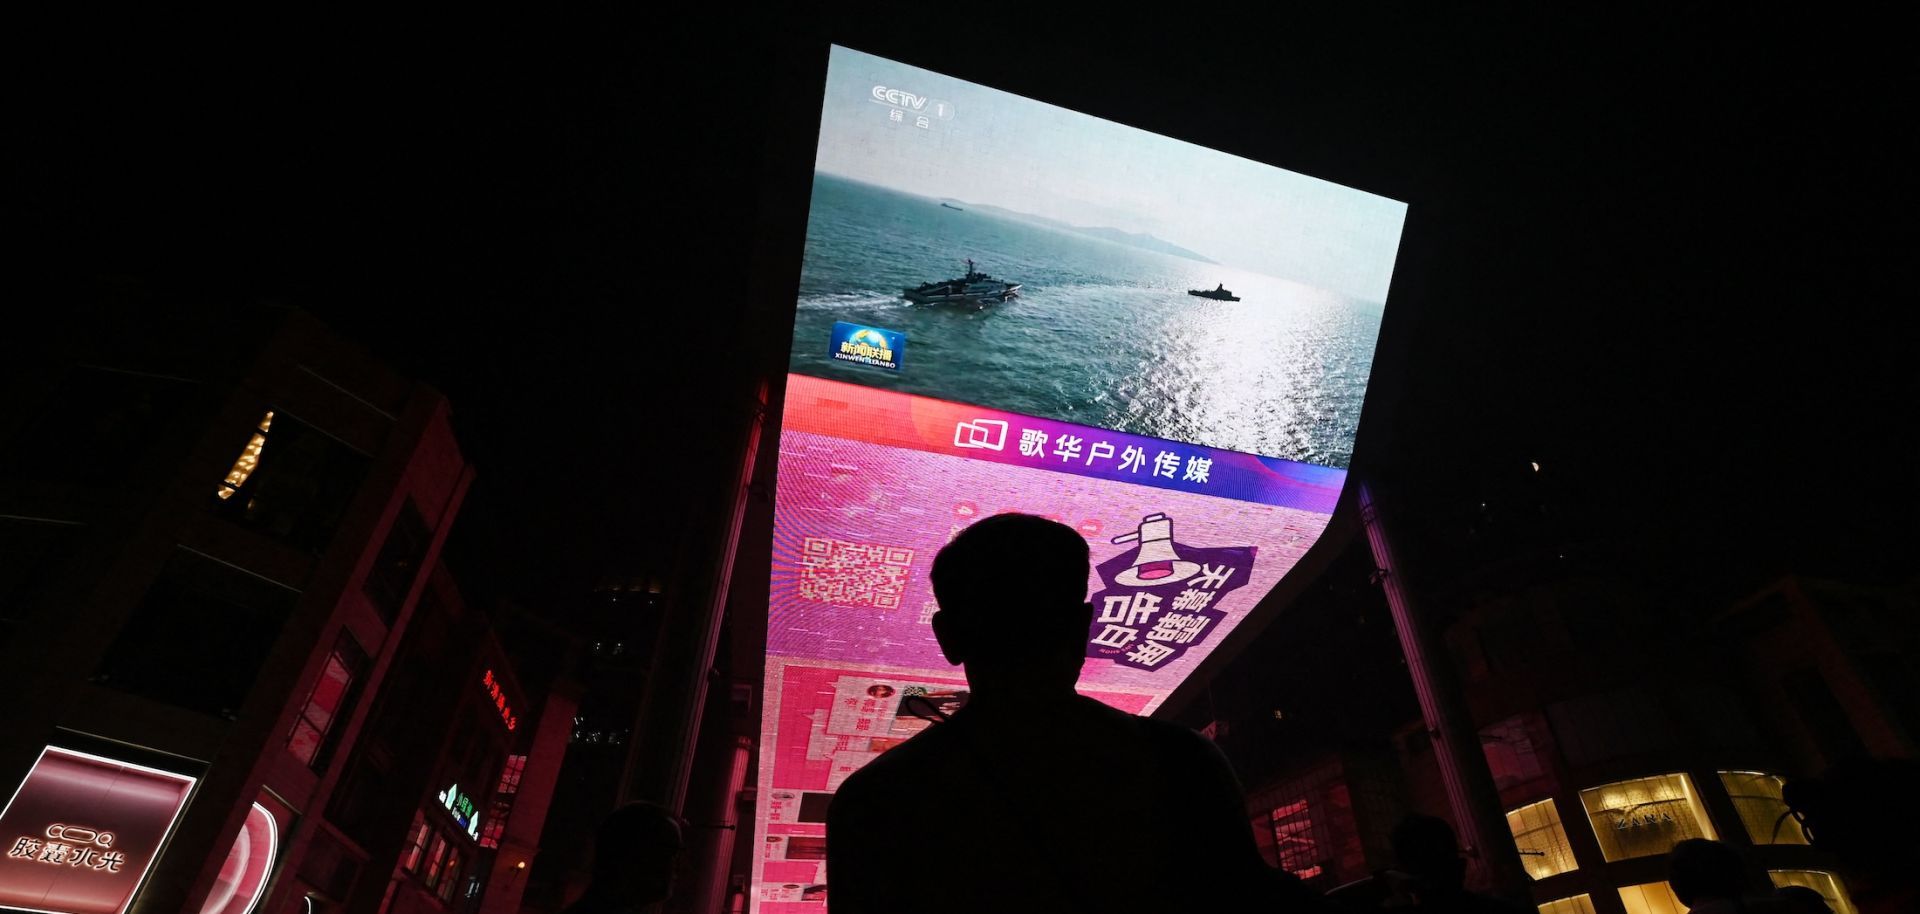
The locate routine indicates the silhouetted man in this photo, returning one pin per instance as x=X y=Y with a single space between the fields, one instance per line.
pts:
x=1430 y=875
x=635 y=855
x=1032 y=797
x=1803 y=900
x=1862 y=812
x=1710 y=878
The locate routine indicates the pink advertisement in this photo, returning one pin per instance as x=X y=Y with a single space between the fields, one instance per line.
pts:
x=824 y=721
x=871 y=487
x=243 y=875
x=81 y=832
x=857 y=524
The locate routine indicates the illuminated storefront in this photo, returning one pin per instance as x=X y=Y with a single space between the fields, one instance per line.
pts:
x=1577 y=904
x=1761 y=802
x=1636 y=823
x=1542 y=840
x=1191 y=413
x=1650 y=898
x=1646 y=816
x=82 y=830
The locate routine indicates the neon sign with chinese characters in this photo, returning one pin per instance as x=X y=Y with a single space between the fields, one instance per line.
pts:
x=500 y=703
x=81 y=831
x=463 y=810
x=70 y=845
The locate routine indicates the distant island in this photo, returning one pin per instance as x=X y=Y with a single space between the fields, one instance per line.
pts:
x=1130 y=239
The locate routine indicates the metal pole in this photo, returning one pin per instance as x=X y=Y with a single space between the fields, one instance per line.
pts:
x=667 y=734
x=1477 y=813
x=717 y=857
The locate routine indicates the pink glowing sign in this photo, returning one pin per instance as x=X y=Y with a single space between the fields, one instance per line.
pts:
x=243 y=875
x=1162 y=346
x=82 y=830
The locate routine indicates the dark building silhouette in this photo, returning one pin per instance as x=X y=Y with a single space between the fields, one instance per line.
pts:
x=1617 y=714
x=220 y=539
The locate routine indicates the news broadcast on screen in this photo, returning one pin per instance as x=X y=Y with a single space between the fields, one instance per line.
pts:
x=1004 y=306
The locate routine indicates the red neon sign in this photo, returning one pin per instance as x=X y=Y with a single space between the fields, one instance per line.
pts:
x=499 y=697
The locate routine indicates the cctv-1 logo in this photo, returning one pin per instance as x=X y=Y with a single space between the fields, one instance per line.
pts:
x=899 y=98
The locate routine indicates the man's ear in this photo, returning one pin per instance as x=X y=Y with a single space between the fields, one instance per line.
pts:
x=946 y=630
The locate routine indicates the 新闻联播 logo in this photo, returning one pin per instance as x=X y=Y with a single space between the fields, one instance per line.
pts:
x=862 y=345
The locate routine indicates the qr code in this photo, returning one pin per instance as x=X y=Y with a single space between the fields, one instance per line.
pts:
x=853 y=574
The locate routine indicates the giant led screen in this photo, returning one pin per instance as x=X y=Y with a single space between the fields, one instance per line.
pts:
x=1008 y=306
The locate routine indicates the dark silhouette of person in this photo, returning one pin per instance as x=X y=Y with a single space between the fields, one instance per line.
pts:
x=1861 y=812
x=1429 y=873
x=1031 y=797
x=1710 y=878
x=1803 y=900
x=636 y=854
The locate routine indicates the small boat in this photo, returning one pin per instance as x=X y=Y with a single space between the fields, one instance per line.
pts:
x=975 y=288
x=952 y=207
x=1217 y=293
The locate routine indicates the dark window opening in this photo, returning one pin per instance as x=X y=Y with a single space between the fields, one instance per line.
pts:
x=199 y=636
x=399 y=562
x=1833 y=733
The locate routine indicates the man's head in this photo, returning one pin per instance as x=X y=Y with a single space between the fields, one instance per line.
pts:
x=1700 y=870
x=1860 y=811
x=1803 y=900
x=635 y=853
x=1425 y=847
x=1012 y=591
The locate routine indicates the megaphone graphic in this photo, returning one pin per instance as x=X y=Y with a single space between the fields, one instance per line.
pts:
x=1156 y=563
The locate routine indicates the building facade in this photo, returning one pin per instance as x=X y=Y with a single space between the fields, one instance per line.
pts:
x=217 y=525
x=1614 y=728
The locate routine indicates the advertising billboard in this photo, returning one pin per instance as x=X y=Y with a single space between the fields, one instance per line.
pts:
x=81 y=831
x=1009 y=306
x=248 y=865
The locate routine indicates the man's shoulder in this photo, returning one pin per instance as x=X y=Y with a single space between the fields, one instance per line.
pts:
x=1175 y=739
x=904 y=767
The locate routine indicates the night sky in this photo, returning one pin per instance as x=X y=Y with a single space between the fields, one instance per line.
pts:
x=1667 y=258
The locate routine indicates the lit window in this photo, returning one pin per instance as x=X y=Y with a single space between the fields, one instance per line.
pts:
x=436 y=859
x=1651 y=898
x=331 y=694
x=1645 y=817
x=1578 y=904
x=497 y=813
x=1826 y=884
x=1542 y=840
x=417 y=843
x=1296 y=840
x=451 y=878
x=1763 y=808
x=510 y=775
x=248 y=461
